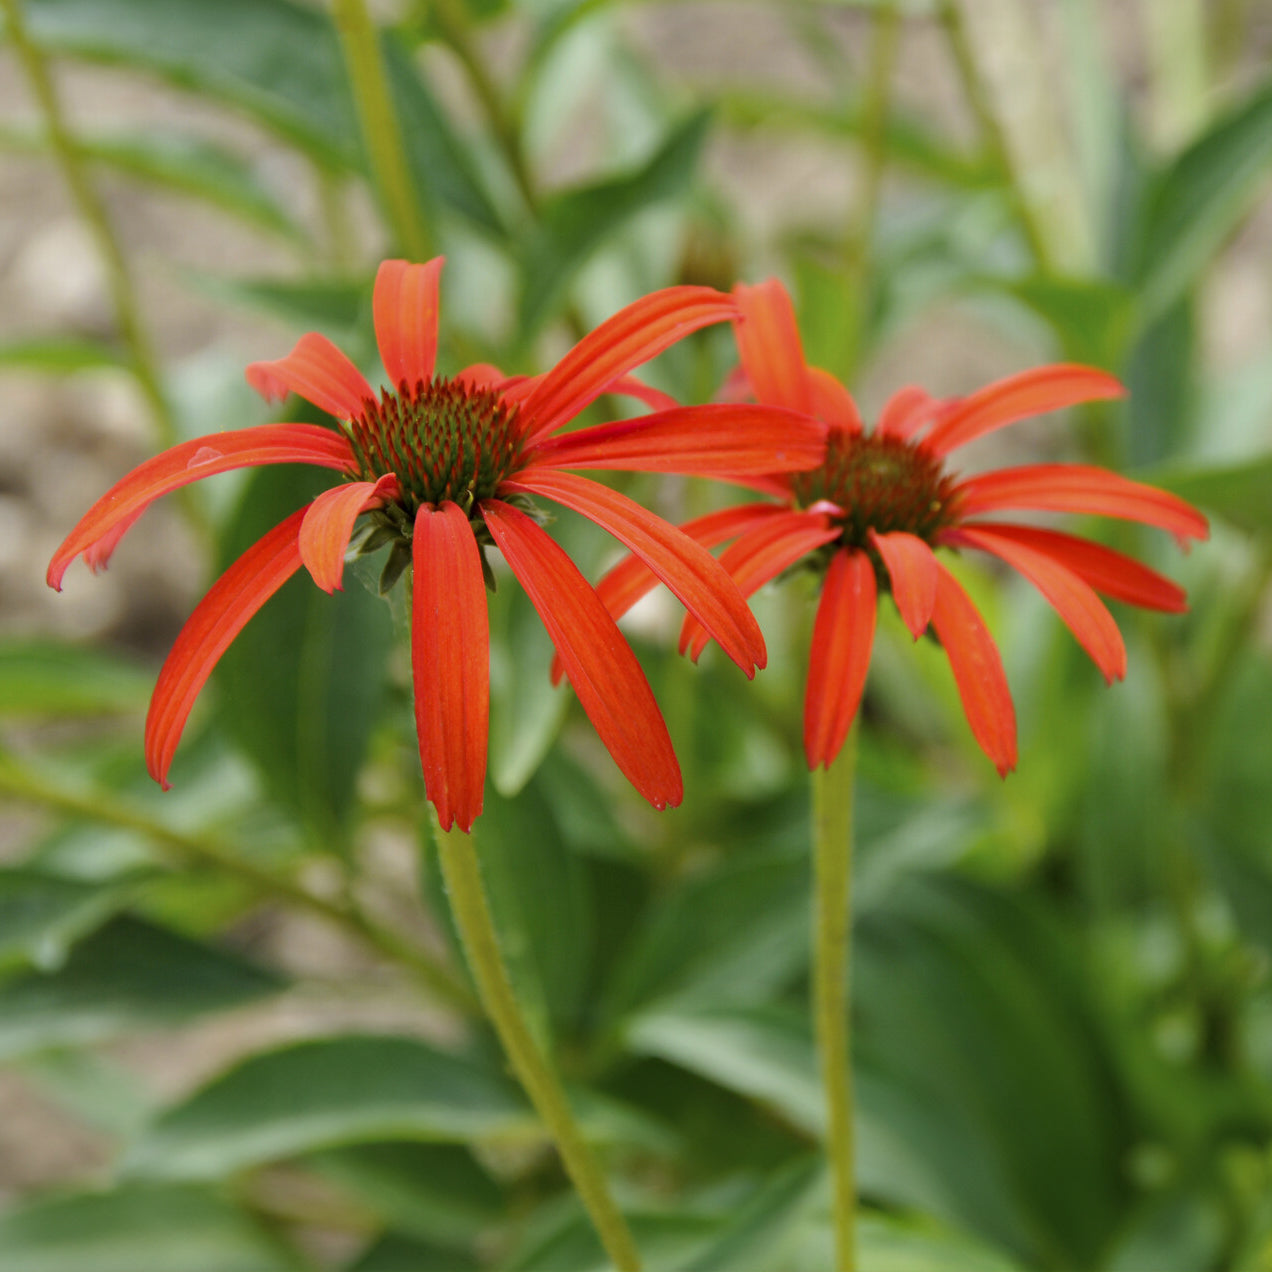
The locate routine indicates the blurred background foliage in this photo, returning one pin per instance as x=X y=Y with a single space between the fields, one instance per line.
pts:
x=234 y=1029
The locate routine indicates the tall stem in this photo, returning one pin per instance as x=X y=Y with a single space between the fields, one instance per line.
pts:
x=74 y=171
x=380 y=131
x=462 y=874
x=832 y=964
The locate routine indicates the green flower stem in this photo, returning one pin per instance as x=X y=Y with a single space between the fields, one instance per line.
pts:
x=832 y=964
x=74 y=170
x=380 y=131
x=462 y=875
x=184 y=848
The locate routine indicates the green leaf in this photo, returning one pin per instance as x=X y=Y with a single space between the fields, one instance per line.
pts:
x=576 y=222
x=59 y=355
x=188 y=165
x=278 y=61
x=1091 y=318
x=324 y=1093
x=896 y=1245
x=44 y=679
x=301 y=687
x=42 y=915
x=332 y=306
x=434 y=1192
x=138 y=1229
x=127 y=975
x=1240 y=493
x=1196 y=202
x=396 y=1253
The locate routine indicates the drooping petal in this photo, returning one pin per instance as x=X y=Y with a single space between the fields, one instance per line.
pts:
x=905 y=412
x=216 y=621
x=1016 y=398
x=1113 y=573
x=631 y=578
x=97 y=555
x=978 y=671
x=655 y=399
x=632 y=336
x=324 y=534
x=831 y=402
x=1079 y=488
x=404 y=306
x=912 y=570
x=708 y=441
x=450 y=661
x=761 y=555
x=839 y=658
x=600 y=664
x=769 y=346
x=104 y=523
x=686 y=567
x=317 y=371
x=1077 y=604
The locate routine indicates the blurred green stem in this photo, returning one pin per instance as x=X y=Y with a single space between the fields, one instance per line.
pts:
x=980 y=101
x=74 y=169
x=457 y=855
x=184 y=847
x=380 y=131
x=832 y=982
x=859 y=239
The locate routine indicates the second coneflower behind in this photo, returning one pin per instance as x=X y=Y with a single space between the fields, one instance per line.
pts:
x=871 y=518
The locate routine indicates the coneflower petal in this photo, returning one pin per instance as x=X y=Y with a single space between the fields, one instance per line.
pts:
x=685 y=566
x=631 y=578
x=832 y=402
x=760 y=555
x=905 y=412
x=105 y=522
x=1113 y=573
x=978 y=671
x=324 y=534
x=706 y=441
x=317 y=371
x=1016 y=398
x=600 y=664
x=769 y=346
x=912 y=571
x=216 y=621
x=1074 y=600
x=450 y=660
x=404 y=306
x=1079 y=488
x=632 y=336
x=843 y=634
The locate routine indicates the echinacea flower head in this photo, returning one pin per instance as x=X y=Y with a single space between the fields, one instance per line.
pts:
x=871 y=518
x=445 y=469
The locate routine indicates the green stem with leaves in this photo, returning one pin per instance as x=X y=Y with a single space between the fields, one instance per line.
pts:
x=832 y=982
x=186 y=848
x=380 y=131
x=71 y=161
x=457 y=854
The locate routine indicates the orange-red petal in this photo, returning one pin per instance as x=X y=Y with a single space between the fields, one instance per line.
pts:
x=832 y=402
x=760 y=555
x=708 y=441
x=655 y=399
x=1079 y=488
x=1074 y=600
x=404 y=306
x=450 y=661
x=905 y=412
x=978 y=671
x=843 y=634
x=632 y=336
x=1113 y=573
x=1016 y=398
x=912 y=571
x=324 y=534
x=317 y=371
x=769 y=346
x=686 y=567
x=216 y=621
x=600 y=664
x=104 y=523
